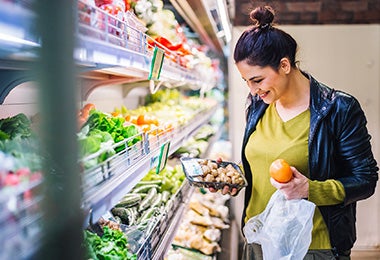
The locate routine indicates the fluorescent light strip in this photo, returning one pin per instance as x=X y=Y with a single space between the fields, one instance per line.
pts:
x=12 y=39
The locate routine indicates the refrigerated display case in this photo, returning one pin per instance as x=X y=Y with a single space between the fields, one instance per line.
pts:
x=106 y=51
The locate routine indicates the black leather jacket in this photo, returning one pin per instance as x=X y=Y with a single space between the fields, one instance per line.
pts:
x=339 y=148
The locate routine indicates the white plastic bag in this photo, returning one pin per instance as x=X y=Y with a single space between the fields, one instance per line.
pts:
x=283 y=229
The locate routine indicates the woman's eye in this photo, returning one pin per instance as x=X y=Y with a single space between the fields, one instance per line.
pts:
x=257 y=81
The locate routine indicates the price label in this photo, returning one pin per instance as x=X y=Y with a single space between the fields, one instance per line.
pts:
x=160 y=160
x=163 y=157
x=156 y=65
x=192 y=168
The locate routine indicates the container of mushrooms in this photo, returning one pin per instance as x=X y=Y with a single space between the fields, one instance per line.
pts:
x=210 y=173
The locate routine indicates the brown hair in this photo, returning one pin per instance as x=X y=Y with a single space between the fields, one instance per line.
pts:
x=263 y=44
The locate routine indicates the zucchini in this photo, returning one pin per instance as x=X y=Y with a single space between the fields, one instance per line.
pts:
x=145 y=188
x=129 y=200
x=145 y=203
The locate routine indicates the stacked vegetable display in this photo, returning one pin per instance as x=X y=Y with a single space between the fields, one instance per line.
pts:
x=148 y=207
x=102 y=135
x=136 y=215
x=19 y=152
x=20 y=186
x=196 y=145
x=149 y=197
x=105 y=134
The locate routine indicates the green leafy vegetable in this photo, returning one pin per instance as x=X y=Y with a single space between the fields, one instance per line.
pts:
x=18 y=140
x=111 y=246
x=114 y=127
x=18 y=125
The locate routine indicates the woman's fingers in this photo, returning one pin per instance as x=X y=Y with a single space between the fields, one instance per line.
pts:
x=226 y=190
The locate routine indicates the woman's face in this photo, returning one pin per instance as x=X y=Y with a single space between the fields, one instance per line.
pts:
x=265 y=82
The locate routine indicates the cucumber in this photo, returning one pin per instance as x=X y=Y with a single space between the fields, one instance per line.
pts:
x=141 y=194
x=165 y=196
x=129 y=200
x=141 y=183
x=145 y=188
x=147 y=214
x=131 y=217
x=118 y=219
x=135 y=213
x=122 y=213
x=157 y=201
x=145 y=203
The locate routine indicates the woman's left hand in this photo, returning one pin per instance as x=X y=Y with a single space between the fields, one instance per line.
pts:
x=296 y=188
x=226 y=190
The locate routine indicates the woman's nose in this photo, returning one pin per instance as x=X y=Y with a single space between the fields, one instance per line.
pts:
x=253 y=89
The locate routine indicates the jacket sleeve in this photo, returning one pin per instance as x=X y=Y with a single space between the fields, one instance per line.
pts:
x=361 y=171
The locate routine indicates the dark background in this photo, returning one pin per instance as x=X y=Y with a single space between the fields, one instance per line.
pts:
x=312 y=12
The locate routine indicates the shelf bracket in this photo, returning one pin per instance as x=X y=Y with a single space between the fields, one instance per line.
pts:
x=10 y=79
x=154 y=87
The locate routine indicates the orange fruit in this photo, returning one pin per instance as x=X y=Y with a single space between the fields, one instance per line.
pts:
x=280 y=171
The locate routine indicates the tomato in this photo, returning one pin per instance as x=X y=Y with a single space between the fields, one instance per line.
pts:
x=11 y=179
x=280 y=171
x=103 y=2
x=23 y=173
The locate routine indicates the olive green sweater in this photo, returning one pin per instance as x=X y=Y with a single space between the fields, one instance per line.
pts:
x=288 y=140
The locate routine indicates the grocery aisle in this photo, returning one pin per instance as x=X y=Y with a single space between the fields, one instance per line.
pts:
x=88 y=113
x=133 y=99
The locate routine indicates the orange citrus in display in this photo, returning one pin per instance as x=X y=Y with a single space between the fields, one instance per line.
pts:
x=280 y=170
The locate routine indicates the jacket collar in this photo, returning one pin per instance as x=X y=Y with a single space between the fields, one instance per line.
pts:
x=321 y=99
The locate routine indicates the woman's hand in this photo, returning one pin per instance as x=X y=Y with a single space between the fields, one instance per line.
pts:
x=226 y=190
x=296 y=188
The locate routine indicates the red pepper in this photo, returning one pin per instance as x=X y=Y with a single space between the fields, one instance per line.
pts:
x=163 y=41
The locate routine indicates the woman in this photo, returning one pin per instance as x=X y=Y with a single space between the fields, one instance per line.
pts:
x=319 y=131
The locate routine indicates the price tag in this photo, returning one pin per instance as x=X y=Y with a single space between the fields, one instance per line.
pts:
x=156 y=65
x=160 y=160
x=108 y=216
x=163 y=158
x=193 y=168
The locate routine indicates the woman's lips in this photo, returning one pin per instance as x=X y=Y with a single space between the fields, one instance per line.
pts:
x=263 y=95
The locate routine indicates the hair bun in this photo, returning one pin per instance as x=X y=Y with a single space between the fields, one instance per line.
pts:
x=262 y=16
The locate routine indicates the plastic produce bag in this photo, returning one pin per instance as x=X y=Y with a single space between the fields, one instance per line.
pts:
x=283 y=229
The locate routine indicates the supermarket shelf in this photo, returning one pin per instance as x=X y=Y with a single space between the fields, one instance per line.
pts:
x=20 y=220
x=17 y=40
x=104 y=53
x=170 y=231
x=101 y=58
x=112 y=186
x=160 y=237
x=208 y=19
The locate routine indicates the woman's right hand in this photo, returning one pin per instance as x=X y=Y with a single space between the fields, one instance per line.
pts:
x=296 y=188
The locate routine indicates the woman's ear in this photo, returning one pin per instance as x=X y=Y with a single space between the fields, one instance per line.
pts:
x=285 y=65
